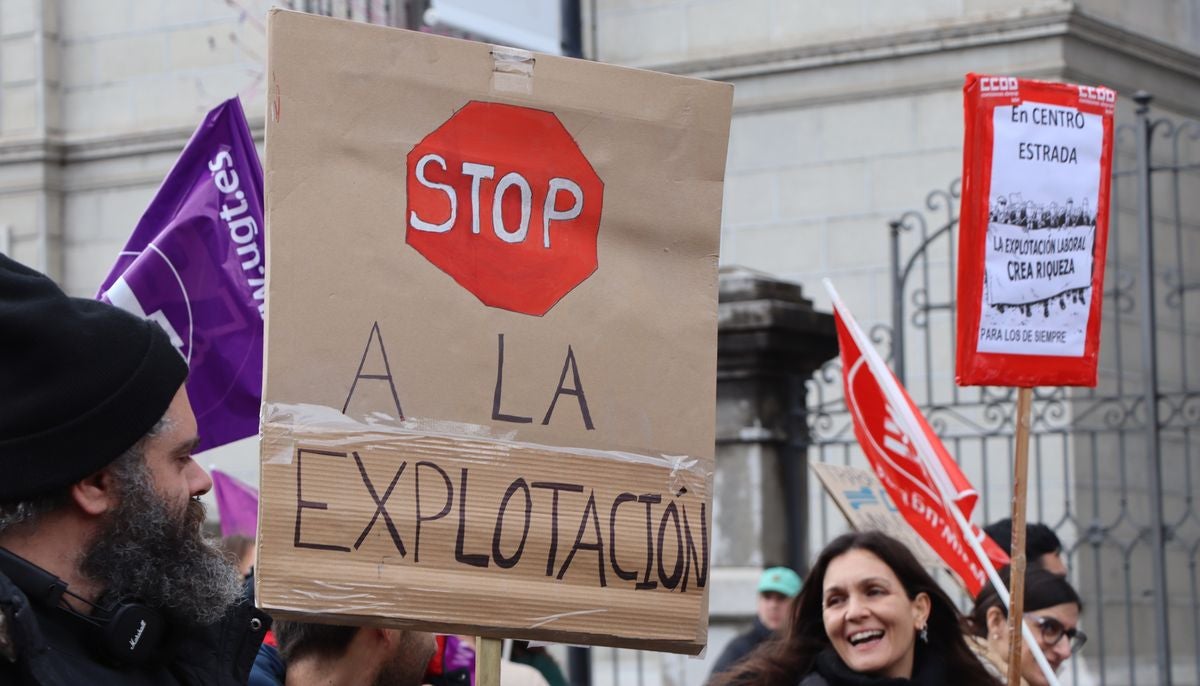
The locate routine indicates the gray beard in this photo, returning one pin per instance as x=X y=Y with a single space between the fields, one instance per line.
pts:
x=147 y=552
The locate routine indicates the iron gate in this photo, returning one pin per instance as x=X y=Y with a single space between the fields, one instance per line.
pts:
x=1112 y=469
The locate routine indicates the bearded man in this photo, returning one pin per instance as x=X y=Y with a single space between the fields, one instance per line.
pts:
x=105 y=575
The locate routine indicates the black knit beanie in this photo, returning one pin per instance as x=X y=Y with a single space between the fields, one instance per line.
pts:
x=80 y=382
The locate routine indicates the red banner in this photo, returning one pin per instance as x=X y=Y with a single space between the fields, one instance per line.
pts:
x=1037 y=160
x=895 y=461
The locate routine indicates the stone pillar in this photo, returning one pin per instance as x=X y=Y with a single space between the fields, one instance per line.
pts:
x=770 y=341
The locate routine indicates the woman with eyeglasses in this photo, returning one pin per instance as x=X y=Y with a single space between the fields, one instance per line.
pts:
x=1052 y=609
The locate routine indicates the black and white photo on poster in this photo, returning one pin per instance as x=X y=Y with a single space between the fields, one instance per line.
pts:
x=1041 y=233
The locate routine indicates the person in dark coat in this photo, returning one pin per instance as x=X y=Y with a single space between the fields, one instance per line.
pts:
x=1042 y=546
x=776 y=588
x=105 y=574
x=869 y=615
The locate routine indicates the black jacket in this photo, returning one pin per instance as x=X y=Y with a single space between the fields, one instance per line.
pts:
x=47 y=647
x=928 y=670
x=741 y=646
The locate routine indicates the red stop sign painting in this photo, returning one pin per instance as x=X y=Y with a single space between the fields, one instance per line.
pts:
x=501 y=198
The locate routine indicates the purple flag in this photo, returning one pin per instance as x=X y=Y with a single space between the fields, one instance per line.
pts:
x=237 y=505
x=195 y=264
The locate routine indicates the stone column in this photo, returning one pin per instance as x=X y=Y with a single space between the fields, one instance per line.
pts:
x=770 y=341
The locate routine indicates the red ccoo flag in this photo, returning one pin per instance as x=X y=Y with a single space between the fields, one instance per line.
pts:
x=915 y=486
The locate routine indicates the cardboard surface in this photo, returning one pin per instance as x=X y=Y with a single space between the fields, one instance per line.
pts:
x=540 y=366
x=867 y=506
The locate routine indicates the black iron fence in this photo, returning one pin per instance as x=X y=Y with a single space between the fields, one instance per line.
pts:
x=1114 y=469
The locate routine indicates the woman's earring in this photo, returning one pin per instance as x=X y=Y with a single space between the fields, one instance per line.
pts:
x=925 y=634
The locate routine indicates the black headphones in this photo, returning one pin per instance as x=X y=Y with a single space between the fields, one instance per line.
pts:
x=127 y=632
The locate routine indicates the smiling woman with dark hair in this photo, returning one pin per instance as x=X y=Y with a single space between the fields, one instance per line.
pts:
x=869 y=614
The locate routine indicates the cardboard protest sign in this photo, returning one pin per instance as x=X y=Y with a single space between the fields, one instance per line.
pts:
x=867 y=506
x=491 y=338
x=1036 y=166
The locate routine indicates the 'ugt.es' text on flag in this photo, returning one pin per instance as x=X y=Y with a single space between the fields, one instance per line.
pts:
x=195 y=265
x=907 y=480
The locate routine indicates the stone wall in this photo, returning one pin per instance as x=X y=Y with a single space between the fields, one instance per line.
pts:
x=97 y=100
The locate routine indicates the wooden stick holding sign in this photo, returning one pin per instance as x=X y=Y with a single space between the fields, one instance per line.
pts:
x=1017 y=574
x=487 y=661
x=1034 y=230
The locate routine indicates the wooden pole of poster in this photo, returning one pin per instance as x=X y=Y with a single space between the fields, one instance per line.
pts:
x=487 y=661
x=1016 y=588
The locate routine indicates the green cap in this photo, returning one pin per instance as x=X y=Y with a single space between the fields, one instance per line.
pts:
x=779 y=580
